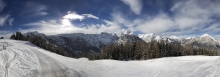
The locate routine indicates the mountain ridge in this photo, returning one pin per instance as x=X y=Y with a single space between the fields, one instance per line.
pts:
x=80 y=43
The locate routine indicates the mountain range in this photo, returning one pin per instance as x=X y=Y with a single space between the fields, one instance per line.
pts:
x=79 y=43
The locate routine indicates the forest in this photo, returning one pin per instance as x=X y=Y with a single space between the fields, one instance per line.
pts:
x=142 y=51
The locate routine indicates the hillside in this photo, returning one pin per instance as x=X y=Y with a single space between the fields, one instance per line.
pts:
x=23 y=59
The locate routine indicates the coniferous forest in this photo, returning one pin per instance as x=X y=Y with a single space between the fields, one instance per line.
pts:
x=144 y=51
x=137 y=50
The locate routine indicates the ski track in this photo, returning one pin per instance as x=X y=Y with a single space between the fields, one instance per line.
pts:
x=215 y=69
x=196 y=70
x=8 y=63
x=49 y=67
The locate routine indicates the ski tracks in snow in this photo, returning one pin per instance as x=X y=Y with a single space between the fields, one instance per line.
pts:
x=8 y=62
x=49 y=67
x=215 y=70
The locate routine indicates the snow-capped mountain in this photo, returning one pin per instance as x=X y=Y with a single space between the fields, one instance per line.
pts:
x=204 y=40
x=128 y=36
x=150 y=36
x=79 y=43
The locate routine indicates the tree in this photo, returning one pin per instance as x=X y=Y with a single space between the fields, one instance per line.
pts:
x=12 y=36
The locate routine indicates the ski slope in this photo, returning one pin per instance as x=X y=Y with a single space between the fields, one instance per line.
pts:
x=23 y=59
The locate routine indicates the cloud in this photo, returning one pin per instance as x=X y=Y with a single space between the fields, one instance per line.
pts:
x=75 y=16
x=90 y=16
x=10 y=20
x=191 y=15
x=52 y=27
x=135 y=5
x=159 y=24
x=188 y=17
x=34 y=9
x=6 y=20
x=2 y=5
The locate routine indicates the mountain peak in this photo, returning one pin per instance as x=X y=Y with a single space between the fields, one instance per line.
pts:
x=128 y=32
x=206 y=35
x=206 y=38
x=174 y=37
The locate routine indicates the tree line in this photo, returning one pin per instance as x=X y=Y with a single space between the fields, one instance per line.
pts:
x=140 y=50
x=40 y=42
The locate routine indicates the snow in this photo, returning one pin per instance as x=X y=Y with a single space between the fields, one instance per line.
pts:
x=148 y=37
x=23 y=59
x=127 y=32
x=208 y=37
x=174 y=37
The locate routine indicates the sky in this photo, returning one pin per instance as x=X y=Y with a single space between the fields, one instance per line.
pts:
x=183 y=18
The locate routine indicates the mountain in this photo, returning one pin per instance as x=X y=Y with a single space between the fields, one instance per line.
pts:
x=128 y=36
x=205 y=41
x=77 y=44
x=83 y=43
x=150 y=36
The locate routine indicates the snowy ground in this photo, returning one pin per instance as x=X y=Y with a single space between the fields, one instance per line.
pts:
x=22 y=59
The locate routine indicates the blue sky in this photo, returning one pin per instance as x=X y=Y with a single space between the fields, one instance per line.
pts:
x=163 y=17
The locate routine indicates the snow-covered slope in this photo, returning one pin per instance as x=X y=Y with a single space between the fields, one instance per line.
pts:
x=23 y=59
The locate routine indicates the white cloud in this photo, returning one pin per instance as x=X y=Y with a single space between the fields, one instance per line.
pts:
x=53 y=27
x=10 y=20
x=74 y=16
x=159 y=24
x=188 y=17
x=135 y=5
x=34 y=9
x=195 y=15
x=90 y=16
x=3 y=19
x=2 y=5
x=64 y=25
